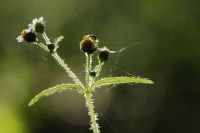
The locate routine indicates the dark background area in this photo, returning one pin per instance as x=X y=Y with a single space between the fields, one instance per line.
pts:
x=161 y=41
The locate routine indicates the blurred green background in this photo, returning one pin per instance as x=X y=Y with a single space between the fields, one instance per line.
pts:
x=161 y=41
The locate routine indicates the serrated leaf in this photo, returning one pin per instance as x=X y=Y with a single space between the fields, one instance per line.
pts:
x=121 y=80
x=51 y=91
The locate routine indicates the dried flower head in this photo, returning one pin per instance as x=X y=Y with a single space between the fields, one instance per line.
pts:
x=89 y=44
x=27 y=35
x=38 y=25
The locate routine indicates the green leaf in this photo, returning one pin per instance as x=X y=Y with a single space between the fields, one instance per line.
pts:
x=121 y=80
x=52 y=90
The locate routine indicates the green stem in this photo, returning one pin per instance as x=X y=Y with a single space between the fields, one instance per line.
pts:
x=98 y=70
x=62 y=64
x=41 y=45
x=44 y=35
x=97 y=73
x=88 y=95
x=93 y=116
x=66 y=68
x=87 y=69
x=60 y=60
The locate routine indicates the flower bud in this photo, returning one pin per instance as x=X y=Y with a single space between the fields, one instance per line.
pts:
x=89 y=44
x=92 y=73
x=103 y=54
x=51 y=47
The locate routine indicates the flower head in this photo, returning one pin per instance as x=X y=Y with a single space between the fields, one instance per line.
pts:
x=27 y=35
x=89 y=44
x=38 y=25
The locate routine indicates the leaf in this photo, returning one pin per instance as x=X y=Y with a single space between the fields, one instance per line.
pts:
x=121 y=80
x=51 y=91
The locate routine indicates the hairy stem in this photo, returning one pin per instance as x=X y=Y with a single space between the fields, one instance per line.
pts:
x=97 y=73
x=88 y=95
x=93 y=116
x=59 y=60
x=99 y=68
x=41 y=45
x=66 y=68
x=44 y=35
x=87 y=69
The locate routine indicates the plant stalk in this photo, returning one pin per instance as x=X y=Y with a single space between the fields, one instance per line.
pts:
x=44 y=35
x=66 y=68
x=60 y=60
x=97 y=72
x=93 y=116
x=88 y=95
x=87 y=69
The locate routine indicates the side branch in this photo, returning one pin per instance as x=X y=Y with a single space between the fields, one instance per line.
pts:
x=67 y=69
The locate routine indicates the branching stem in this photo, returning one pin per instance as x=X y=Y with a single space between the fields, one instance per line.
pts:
x=59 y=60
x=88 y=95
x=66 y=68
x=97 y=73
